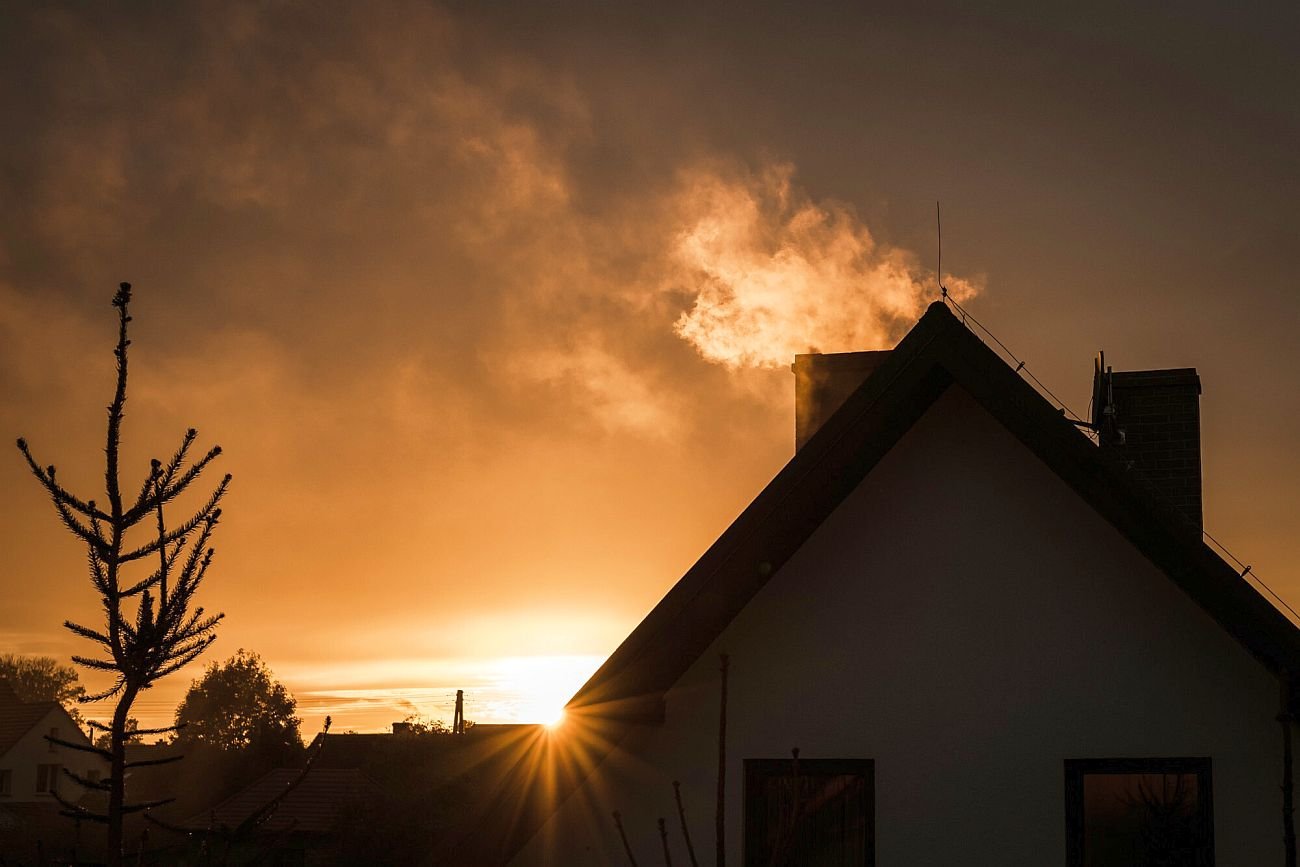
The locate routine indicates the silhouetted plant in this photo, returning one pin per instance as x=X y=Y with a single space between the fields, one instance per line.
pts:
x=163 y=633
x=43 y=678
x=1168 y=831
x=238 y=705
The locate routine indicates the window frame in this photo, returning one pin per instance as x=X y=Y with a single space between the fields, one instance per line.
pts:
x=757 y=770
x=1076 y=769
x=52 y=772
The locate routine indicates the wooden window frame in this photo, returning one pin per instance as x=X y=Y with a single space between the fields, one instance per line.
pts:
x=1077 y=769
x=52 y=773
x=760 y=769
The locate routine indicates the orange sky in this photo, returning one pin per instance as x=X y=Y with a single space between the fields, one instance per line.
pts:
x=490 y=307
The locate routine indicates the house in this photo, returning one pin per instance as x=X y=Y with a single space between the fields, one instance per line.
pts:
x=31 y=768
x=31 y=771
x=990 y=639
x=285 y=815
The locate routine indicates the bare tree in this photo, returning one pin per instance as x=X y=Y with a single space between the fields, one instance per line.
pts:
x=150 y=627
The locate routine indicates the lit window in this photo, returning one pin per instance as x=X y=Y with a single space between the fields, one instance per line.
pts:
x=1138 y=812
x=810 y=813
x=47 y=778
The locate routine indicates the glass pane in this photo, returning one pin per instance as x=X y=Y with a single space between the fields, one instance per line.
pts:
x=1141 y=820
x=815 y=820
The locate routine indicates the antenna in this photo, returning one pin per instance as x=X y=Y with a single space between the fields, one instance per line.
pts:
x=938 y=276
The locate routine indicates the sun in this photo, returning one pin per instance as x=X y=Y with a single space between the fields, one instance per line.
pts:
x=543 y=685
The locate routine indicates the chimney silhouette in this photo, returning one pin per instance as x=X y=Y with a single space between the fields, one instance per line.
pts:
x=821 y=383
x=1151 y=419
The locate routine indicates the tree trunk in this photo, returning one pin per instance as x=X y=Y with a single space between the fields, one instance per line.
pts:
x=117 y=782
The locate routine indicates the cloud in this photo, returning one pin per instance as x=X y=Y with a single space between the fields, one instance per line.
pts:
x=604 y=386
x=442 y=303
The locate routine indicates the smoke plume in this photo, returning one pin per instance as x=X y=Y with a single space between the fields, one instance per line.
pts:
x=774 y=273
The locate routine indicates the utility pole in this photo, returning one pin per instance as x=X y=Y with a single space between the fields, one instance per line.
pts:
x=720 y=817
x=458 y=721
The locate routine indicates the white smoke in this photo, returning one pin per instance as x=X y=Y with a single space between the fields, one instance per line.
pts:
x=774 y=273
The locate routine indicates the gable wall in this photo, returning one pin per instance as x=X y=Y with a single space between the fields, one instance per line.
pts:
x=32 y=750
x=966 y=621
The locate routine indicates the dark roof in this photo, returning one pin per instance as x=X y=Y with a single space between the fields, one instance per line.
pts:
x=18 y=717
x=312 y=807
x=352 y=750
x=937 y=353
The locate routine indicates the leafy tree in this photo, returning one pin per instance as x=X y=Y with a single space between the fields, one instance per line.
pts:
x=151 y=627
x=239 y=705
x=415 y=724
x=43 y=678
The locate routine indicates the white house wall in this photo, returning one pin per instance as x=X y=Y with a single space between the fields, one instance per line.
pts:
x=969 y=623
x=32 y=750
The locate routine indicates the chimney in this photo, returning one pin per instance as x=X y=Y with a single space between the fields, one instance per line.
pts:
x=822 y=381
x=401 y=728
x=1152 y=420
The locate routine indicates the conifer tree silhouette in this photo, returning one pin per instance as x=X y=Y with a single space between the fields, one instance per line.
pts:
x=164 y=632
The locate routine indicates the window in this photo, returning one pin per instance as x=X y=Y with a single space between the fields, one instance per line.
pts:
x=6 y=781
x=54 y=733
x=92 y=775
x=809 y=812
x=47 y=778
x=1138 y=812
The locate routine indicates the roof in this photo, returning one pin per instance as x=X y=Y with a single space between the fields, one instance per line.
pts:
x=17 y=718
x=312 y=807
x=937 y=353
x=454 y=753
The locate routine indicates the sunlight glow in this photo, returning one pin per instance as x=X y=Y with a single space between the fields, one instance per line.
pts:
x=371 y=695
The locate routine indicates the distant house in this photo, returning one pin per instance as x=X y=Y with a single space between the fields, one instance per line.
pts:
x=299 y=827
x=31 y=768
x=436 y=757
x=31 y=771
x=992 y=640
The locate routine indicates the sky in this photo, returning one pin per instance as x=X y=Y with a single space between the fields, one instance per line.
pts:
x=491 y=306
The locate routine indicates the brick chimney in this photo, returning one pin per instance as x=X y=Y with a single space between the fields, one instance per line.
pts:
x=821 y=383
x=1153 y=419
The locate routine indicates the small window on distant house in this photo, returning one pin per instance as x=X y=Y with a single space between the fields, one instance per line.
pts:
x=6 y=781
x=54 y=733
x=809 y=813
x=47 y=778
x=1136 y=812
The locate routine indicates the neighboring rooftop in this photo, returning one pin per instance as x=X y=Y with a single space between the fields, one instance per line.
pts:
x=313 y=807
x=18 y=717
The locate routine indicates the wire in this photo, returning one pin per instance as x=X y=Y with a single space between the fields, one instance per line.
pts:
x=1247 y=572
x=1021 y=366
